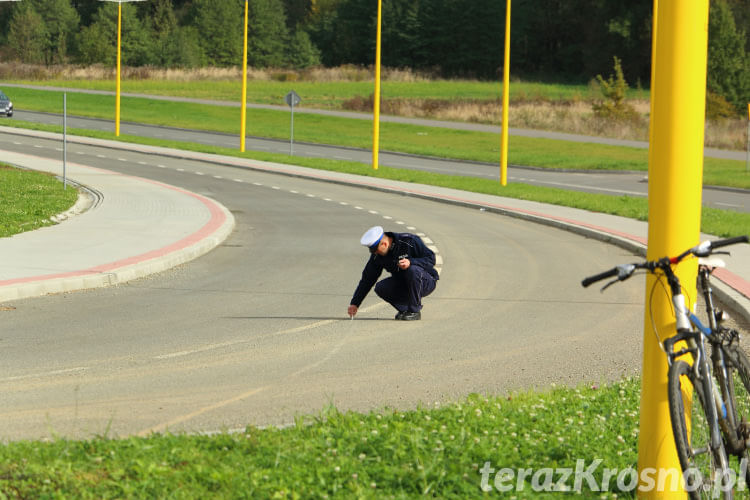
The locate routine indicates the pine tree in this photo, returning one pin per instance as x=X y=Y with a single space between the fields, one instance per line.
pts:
x=219 y=26
x=267 y=34
x=61 y=23
x=98 y=42
x=728 y=62
x=28 y=36
x=613 y=89
x=301 y=52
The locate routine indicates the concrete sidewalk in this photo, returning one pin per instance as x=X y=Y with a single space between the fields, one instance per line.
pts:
x=123 y=237
x=129 y=227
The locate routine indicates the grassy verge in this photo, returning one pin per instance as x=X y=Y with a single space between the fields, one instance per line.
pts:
x=429 y=141
x=723 y=223
x=434 y=451
x=28 y=199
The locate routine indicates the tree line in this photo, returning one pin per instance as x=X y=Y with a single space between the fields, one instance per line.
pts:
x=562 y=40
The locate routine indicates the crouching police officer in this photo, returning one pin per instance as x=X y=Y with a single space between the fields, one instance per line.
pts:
x=411 y=265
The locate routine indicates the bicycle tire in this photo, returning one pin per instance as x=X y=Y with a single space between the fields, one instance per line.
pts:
x=738 y=369
x=701 y=467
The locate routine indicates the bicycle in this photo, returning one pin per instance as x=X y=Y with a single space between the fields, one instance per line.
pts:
x=719 y=431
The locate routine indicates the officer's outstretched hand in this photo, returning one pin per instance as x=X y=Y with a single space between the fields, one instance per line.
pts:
x=352 y=311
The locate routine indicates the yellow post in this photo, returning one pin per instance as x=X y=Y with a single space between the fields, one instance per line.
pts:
x=653 y=74
x=117 y=85
x=376 y=101
x=243 y=113
x=675 y=180
x=506 y=99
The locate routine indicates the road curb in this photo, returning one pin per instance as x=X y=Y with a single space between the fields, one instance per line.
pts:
x=96 y=277
x=219 y=226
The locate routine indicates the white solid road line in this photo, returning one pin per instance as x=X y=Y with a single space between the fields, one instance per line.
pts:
x=45 y=374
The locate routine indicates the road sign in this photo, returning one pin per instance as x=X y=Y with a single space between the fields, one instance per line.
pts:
x=292 y=99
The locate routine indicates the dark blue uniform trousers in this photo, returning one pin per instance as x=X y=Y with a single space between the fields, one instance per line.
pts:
x=404 y=290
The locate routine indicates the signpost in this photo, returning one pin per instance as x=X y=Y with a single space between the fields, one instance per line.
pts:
x=292 y=99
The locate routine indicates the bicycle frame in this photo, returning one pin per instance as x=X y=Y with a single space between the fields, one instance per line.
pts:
x=723 y=411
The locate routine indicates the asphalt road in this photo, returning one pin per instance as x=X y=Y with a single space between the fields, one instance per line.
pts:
x=605 y=182
x=255 y=332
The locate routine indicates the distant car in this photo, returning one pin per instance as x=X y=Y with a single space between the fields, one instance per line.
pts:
x=6 y=107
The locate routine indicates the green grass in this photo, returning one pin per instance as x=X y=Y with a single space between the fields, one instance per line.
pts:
x=29 y=198
x=429 y=141
x=433 y=451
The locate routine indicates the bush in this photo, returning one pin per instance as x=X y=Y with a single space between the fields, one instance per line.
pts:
x=718 y=108
x=613 y=106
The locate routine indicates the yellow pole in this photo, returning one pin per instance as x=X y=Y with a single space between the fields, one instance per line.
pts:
x=243 y=113
x=506 y=99
x=376 y=103
x=675 y=179
x=653 y=75
x=117 y=94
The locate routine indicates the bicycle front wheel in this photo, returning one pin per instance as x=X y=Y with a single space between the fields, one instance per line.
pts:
x=703 y=468
x=738 y=384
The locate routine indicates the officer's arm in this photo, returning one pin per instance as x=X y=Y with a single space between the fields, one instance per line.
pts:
x=370 y=275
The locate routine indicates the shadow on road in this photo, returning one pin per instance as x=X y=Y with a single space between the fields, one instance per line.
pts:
x=309 y=318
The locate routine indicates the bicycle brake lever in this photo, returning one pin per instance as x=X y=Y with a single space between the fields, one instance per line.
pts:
x=624 y=271
x=609 y=284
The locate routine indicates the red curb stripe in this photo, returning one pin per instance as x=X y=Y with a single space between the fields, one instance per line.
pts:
x=733 y=281
x=217 y=219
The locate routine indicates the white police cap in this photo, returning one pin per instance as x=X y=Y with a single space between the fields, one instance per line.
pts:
x=372 y=237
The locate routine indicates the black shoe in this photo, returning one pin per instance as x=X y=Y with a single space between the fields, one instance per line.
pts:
x=400 y=314
x=411 y=316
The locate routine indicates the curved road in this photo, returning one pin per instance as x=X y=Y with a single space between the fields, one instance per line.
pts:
x=255 y=332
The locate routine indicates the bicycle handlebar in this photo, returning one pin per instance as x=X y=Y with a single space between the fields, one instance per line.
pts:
x=624 y=272
x=729 y=241
x=598 y=277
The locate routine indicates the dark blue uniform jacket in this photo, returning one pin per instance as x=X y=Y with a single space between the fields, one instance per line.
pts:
x=407 y=244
